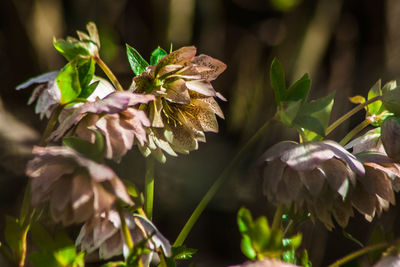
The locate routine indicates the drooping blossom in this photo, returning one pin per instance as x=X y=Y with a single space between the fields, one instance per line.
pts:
x=370 y=141
x=116 y=119
x=104 y=234
x=374 y=191
x=185 y=107
x=48 y=95
x=316 y=176
x=76 y=188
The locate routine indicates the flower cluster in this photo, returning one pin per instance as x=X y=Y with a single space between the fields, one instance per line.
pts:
x=170 y=108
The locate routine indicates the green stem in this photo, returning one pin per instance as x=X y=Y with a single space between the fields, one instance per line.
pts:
x=358 y=253
x=50 y=125
x=109 y=73
x=149 y=187
x=124 y=227
x=355 y=131
x=350 y=113
x=220 y=180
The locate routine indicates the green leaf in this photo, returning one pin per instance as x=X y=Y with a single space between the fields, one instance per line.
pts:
x=289 y=256
x=352 y=238
x=289 y=112
x=299 y=90
x=357 y=99
x=41 y=237
x=86 y=71
x=389 y=86
x=391 y=101
x=137 y=62
x=89 y=90
x=157 y=55
x=25 y=212
x=244 y=220
x=305 y=262
x=93 y=151
x=247 y=248
x=132 y=189
x=13 y=233
x=260 y=235
x=68 y=82
x=71 y=50
x=114 y=264
x=375 y=90
x=183 y=253
x=40 y=259
x=293 y=242
x=319 y=109
x=277 y=79
x=310 y=123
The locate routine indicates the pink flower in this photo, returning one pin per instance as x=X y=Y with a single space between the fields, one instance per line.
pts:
x=75 y=187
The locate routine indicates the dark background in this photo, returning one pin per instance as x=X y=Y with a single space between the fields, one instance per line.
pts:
x=344 y=45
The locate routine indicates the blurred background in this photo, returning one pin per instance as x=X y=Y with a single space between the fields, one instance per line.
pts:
x=345 y=46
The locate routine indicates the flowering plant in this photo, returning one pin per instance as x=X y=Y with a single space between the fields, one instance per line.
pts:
x=166 y=111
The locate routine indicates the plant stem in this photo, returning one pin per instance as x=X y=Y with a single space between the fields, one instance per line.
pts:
x=218 y=182
x=358 y=253
x=350 y=113
x=355 y=131
x=124 y=227
x=51 y=124
x=109 y=73
x=149 y=187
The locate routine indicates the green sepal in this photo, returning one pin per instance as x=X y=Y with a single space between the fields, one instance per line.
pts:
x=92 y=151
x=137 y=62
x=68 y=82
x=157 y=55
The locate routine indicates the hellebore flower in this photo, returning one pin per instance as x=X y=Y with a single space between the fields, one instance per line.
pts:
x=370 y=141
x=115 y=118
x=105 y=234
x=374 y=190
x=185 y=107
x=313 y=175
x=75 y=187
x=48 y=94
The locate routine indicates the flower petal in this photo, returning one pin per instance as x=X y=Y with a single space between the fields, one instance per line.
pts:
x=215 y=67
